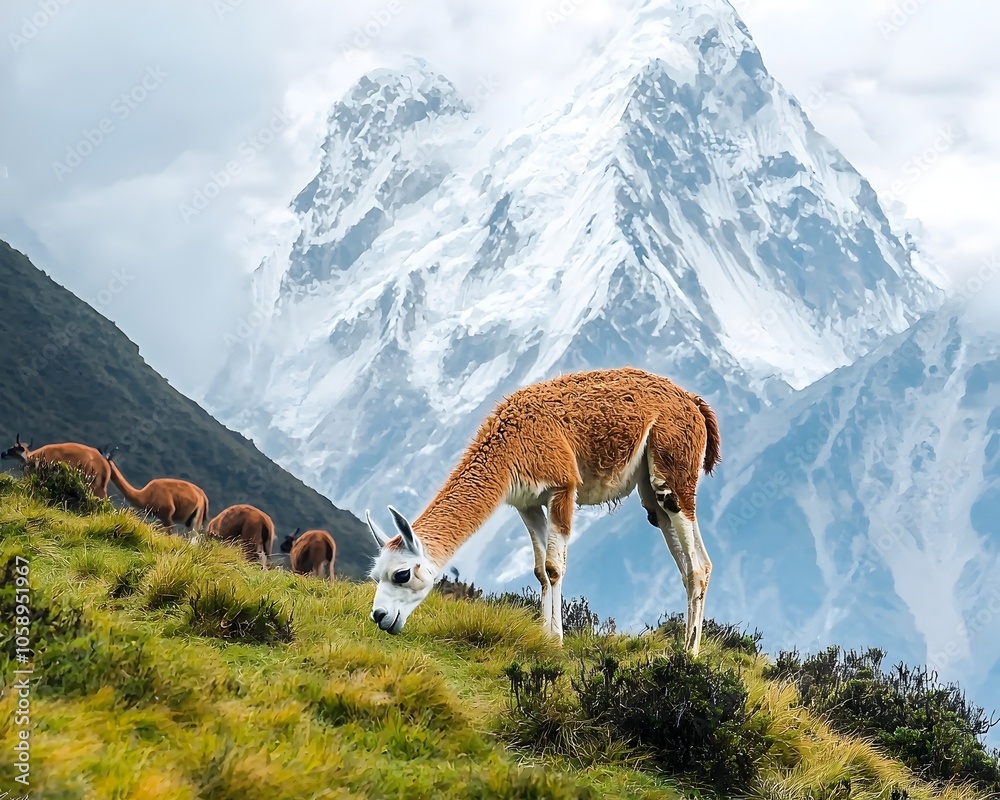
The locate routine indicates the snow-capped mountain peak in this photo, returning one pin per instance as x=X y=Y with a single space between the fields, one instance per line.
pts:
x=675 y=211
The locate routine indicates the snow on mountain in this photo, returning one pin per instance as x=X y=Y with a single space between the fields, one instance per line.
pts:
x=678 y=212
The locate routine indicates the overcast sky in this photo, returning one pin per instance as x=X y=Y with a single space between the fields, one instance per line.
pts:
x=116 y=114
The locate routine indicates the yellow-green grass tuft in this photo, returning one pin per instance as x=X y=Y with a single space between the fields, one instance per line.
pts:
x=170 y=580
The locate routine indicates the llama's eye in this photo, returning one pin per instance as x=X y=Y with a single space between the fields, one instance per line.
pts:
x=401 y=576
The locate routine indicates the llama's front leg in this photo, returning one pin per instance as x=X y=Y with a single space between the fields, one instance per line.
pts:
x=560 y=522
x=534 y=520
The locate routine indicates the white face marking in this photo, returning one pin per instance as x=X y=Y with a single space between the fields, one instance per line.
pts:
x=404 y=573
x=404 y=580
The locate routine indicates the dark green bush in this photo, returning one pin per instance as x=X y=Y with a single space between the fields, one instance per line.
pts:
x=536 y=700
x=685 y=716
x=527 y=598
x=546 y=719
x=61 y=485
x=690 y=717
x=577 y=616
x=223 y=612
x=929 y=726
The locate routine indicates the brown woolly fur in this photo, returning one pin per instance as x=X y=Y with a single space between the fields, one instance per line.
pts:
x=311 y=550
x=584 y=427
x=586 y=438
x=248 y=525
x=171 y=500
x=86 y=459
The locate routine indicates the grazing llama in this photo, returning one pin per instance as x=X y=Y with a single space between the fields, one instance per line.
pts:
x=580 y=439
x=171 y=500
x=86 y=459
x=310 y=551
x=248 y=525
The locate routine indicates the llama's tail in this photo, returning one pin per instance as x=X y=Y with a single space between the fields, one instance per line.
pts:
x=712 y=456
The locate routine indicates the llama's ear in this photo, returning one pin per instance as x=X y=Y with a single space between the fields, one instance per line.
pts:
x=377 y=532
x=409 y=537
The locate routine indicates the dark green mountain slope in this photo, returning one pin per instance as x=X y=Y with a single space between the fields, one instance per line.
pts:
x=68 y=374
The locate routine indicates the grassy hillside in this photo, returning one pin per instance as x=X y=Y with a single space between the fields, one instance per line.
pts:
x=166 y=670
x=70 y=375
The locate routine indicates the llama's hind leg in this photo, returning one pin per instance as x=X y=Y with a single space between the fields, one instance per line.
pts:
x=674 y=492
x=706 y=566
x=655 y=512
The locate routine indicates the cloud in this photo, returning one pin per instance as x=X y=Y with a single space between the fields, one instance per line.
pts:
x=224 y=68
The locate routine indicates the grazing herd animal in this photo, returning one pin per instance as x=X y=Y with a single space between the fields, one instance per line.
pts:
x=171 y=500
x=88 y=460
x=585 y=438
x=310 y=552
x=249 y=526
x=179 y=503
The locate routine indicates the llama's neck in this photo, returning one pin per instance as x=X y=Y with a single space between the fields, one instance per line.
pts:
x=133 y=495
x=473 y=491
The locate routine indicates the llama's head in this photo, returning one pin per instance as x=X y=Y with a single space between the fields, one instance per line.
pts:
x=19 y=451
x=404 y=573
x=289 y=541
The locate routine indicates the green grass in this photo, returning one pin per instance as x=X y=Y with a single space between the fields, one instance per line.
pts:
x=166 y=670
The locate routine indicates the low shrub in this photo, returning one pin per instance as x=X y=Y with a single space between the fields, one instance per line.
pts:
x=577 y=616
x=526 y=598
x=687 y=717
x=931 y=727
x=58 y=484
x=459 y=590
x=690 y=717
